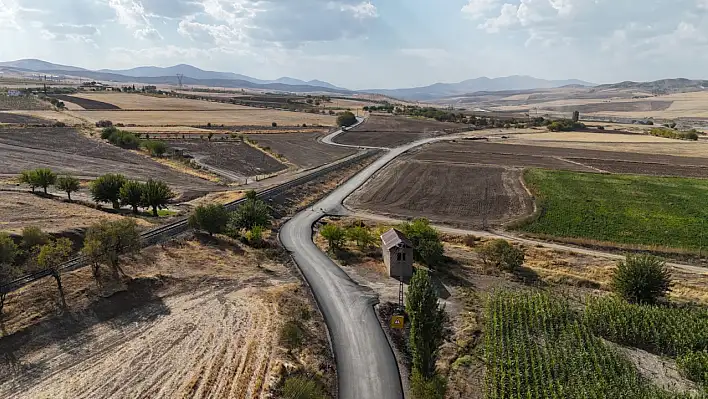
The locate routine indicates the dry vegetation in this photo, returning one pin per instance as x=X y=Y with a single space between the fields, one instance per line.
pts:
x=244 y=117
x=197 y=320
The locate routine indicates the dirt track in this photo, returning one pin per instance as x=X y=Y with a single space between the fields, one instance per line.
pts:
x=302 y=149
x=66 y=151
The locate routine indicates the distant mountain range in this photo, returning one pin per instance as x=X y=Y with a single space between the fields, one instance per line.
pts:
x=440 y=90
x=659 y=85
x=195 y=76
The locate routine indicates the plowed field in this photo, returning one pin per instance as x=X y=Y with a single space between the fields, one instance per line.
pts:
x=302 y=149
x=393 y=131
x=86 y=103
x=22 y=119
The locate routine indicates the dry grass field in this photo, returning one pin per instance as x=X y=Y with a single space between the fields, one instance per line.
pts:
x=243 y=117
x=19 y=210
x=143 y=102
x=198 y=320
x=593 y=137
x=52 y=116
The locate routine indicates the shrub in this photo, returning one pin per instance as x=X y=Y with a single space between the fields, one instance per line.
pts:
x=470 y=240
x=33 y=236
x=346 y=119
x=254 y=237
x=430 y=388
x=694 y=366
x=104 y=123
x=300 y=387
x=291 y=335
x=156 y=148
x=673 y=134
x=274 y=124
x=8 y=249
x=503 y=255
x=107 y=132
x=211 y=218
x=642 y=279
x=253 y=212
x=565 y=125
x=334 y=235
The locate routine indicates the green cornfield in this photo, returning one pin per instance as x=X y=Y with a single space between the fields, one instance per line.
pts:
x=537 y=347
x=634 y=210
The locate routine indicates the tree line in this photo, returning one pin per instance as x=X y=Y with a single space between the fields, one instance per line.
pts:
x=114 y=189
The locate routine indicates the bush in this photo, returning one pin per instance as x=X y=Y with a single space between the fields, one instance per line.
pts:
x=291 y=335
x=8 y=249
x=642 y=279
x=503 y=255
x=253 y=212
x=428 y=248
x=32 y=237
x=299 y=387
x=470 y=240
x=254 y=237
x=346 y=119
x=432 y=388
x=673 y=134
x=156 y=148
x=104 y=123
x=211 y=218
x=565 y=125
x=694 y=366
x=274 y=124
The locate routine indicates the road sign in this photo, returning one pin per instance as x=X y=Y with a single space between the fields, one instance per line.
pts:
x=397 y=322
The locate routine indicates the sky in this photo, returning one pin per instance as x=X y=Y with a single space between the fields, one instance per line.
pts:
x=362 y=44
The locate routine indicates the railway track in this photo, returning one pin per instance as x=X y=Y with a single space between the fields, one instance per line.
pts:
x=169 y=231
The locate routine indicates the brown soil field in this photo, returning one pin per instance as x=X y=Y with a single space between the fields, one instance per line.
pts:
x=446 y=182
x=459 y=195
x=233 y=156
x=86 y=103
x=393 y=131
x=21 y=103
x=19 y=210
x=143 y=102
x=593 y=137
x=52 y=116
x=302 y=149
x=19 y=119
x=673 y=148
x=198 y=319
x=245 y=117
x=66 y=151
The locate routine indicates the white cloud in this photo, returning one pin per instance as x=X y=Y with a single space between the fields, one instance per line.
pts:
x=507 y=17
x=8 y=14
x=362 y=10
x=702 y=4
x=476 y=9
x=132 y=15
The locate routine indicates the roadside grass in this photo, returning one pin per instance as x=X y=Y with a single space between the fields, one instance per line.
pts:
x=630 y=210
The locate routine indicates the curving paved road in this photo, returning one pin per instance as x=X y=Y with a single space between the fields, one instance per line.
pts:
x=366 y=366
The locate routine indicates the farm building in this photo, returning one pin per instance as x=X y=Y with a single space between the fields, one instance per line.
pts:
x=397 y=253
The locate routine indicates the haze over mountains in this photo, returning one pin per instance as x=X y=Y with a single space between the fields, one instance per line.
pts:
x=196 y=76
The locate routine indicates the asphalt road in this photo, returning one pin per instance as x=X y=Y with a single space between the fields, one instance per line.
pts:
x=366 y=366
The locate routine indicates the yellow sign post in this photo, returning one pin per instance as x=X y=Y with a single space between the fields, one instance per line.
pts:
x=397 y=322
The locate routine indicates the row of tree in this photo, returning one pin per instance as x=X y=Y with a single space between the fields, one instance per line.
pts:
x=113 y=189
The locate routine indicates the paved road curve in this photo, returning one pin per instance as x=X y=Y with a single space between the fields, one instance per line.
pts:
x=366 y=366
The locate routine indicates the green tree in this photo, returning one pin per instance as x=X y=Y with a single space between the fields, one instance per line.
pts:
x=156 y=194
x=334 y=235
x=44 y=178
x=27 y=177
x=67 y=184
x=427 y=324
x=131 y=193
x=253 y=212
x=642 y=279
x=51 y=256
x=361 y=236
x=106 y=241
x=8 y=249
x=346 y=119
x=107 y=189
x=156 y=148
x=33 y=236
x=503 y=255
x=428 y=247
x=212 y=218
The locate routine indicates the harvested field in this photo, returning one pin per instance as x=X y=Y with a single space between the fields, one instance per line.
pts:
x=673 y=148
x=233 y=156
x=51 y=116
x=459 y=195
x=302 y=149
x=393 y=131
x=593 y=137
x=245 y=117
x=19 y=210
x=85 y=103
x=644 y=168
x=19 y=119
x=197 y=320
x=66 y=151
x=145 y=102
x=21 y=103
